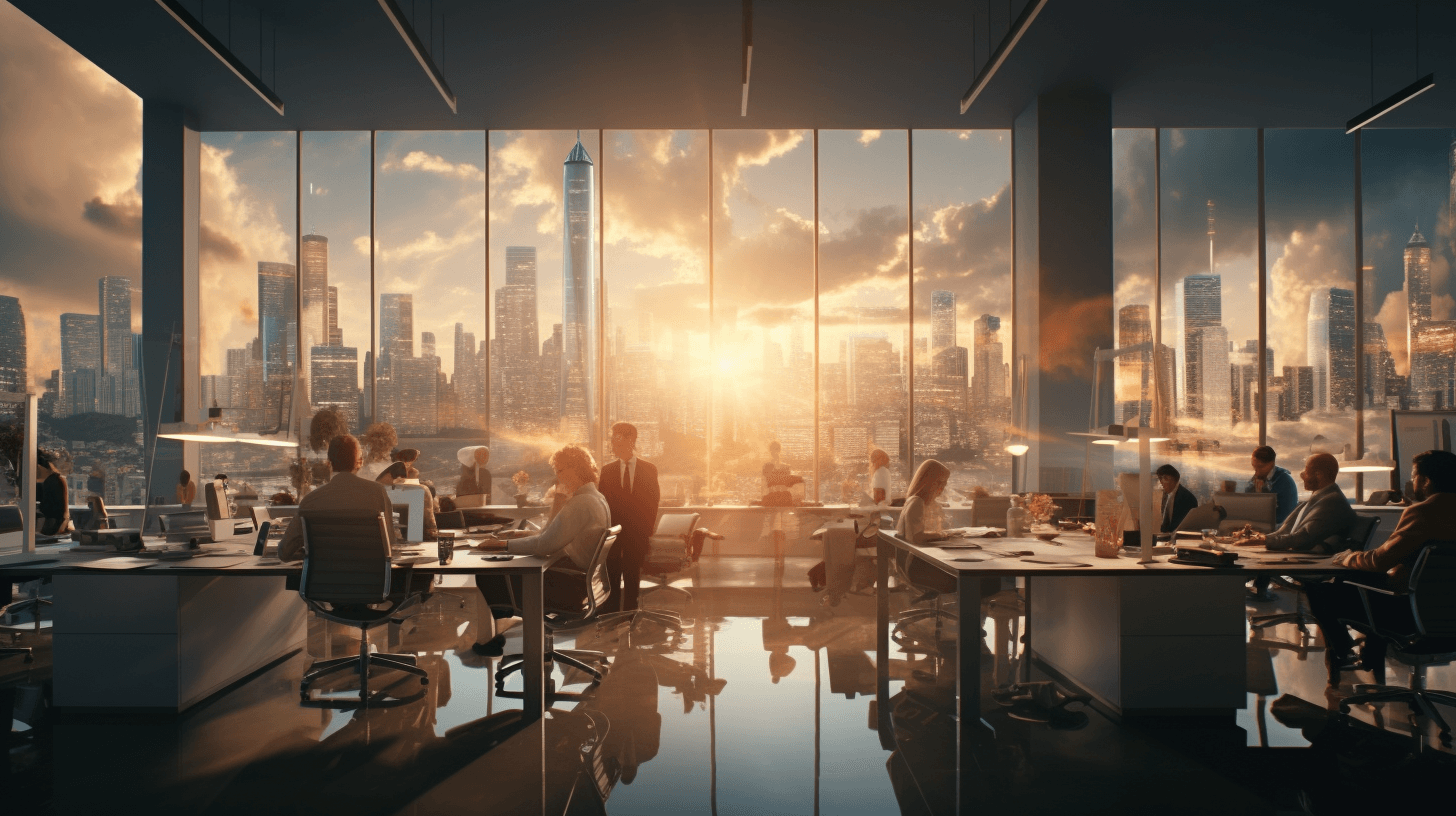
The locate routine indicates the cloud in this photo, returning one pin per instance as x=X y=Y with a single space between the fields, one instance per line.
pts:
x=1392 y=317
x=428 y=163
x=868 y=137
x=69 y=199
x=1309 y=260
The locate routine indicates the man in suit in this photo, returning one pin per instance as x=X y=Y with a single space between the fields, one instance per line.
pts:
x=345 y=490
x=1177 y=499
x=1431 y=518
x=1320 y=523
x=630 y=487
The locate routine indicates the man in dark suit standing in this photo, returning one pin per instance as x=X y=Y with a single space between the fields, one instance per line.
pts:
x=630 y=488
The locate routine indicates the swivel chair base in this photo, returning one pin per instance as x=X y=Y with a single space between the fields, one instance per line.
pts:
x=361 y=664
x=10 y=651
x=1417 y=697
x=575 y=658
x=665 y=618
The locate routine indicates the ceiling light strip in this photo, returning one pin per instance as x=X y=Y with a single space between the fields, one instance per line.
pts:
x=213 y=44
x=1391 y=102
x=407 y=31
x=1013 y=36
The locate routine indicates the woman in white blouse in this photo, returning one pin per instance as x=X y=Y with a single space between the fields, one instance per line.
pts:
x=879 y=476
x=921 y=520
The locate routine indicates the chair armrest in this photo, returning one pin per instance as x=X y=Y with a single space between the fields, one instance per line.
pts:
x=1361 y=585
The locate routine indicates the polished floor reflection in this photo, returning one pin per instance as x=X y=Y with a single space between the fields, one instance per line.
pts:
x=763 y=703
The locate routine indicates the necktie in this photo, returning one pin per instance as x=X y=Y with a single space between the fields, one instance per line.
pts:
x=626 y=478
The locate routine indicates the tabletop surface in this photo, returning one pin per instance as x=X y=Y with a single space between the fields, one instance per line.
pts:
x=1073 y=553
x=235 y=557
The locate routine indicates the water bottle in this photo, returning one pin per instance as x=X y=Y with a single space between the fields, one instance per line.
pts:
x=1016 y=519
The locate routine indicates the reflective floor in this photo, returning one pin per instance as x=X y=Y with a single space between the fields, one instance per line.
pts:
x=764 y=703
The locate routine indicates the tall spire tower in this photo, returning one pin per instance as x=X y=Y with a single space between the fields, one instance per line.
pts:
x=579 y=300
x=1210 y=237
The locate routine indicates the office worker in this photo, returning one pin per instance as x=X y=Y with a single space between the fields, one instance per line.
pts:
x=922 y=519
x=879 y=476
x=474 y=477
x=398 y=472
x=1431 y=518
x=345 y=490
x=1177 y=499
x=1320 y=523
x=630 y=487
x=186 y=489
x=575 y=530
x=52 y=499
x=1271 y=478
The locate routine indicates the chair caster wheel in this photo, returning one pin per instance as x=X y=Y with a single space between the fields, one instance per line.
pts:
x=424 y=681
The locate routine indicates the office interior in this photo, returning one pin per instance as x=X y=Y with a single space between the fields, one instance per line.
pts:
x=769 y=235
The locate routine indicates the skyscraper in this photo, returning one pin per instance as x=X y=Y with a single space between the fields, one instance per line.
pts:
x=114 y=298
x=578 y=377
x=336 y=335
x=1209 y=362
x=517 y=350
x=80 y=352
x=1377 y=361
x=12 y=344
x=942 y=320
x=1198 y=304
x=427 y=344
x=1331 y=347
x=1134 y=327
x=313 y=282
x=334 y=380
x=988 y=383
x=396 y=329
x=276 y=313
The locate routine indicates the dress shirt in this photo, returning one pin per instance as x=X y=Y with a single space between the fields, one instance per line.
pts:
x=629 y=474
x=1281 y=484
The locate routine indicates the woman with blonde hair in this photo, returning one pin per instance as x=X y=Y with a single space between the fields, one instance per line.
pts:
x=921 y=520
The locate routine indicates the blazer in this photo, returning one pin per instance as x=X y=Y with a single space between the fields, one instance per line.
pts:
x=1182 y=500
x=1431 y=520
x=636 y=511
x=1322 y=523
x=469 y=485
x=345 y=491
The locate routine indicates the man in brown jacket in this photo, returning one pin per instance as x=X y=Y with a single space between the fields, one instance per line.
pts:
x=1431 y=518
x=346 y=490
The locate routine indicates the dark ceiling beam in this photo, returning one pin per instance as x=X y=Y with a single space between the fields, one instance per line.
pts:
x=222 y=52
x=747 y=53
x=998 y=57
x=407 y=30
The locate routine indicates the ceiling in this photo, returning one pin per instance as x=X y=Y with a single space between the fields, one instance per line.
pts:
x=554 y=64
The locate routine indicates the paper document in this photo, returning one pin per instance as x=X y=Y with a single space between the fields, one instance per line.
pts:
x=122 y=563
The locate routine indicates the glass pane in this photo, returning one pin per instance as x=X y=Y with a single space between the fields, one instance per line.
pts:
x=655 y=263
x=962 y=202
x=430 y=279
x=1409 y=197
x=530 y=231
x=763 y=308
x=70 y=266
x=1310 y=228
x=863 y=306
x=1210 y=299
x=248 y=334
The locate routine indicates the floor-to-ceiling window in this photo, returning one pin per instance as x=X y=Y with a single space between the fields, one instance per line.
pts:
x=962 y=305
x=247 y=332
x=655 y=271
x=70 y=267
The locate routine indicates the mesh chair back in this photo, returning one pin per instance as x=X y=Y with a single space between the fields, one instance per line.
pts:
x=1433 y=589
x=1362 y=532
x=11 y=520
x=594 y=579
x=346 y=556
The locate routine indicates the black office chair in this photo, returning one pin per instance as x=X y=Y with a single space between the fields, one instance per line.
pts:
x=11 y=521
x=346 y=573
x=667 y=553
x=1431 y=591
x=595 y=590
x=1362 y=532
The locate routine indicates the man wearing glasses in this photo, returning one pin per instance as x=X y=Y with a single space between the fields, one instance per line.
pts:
x=630 y=488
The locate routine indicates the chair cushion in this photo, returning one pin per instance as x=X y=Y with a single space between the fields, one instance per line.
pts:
x=1426 y=651
x=676 y=524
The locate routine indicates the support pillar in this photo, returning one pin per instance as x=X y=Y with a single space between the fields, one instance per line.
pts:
x=1062 y=174
x=171 y=155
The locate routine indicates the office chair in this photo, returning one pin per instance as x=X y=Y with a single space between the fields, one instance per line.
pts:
x=595 y=590
x=346 y=572
x=11 y=521
x=10 y=651
x=1431 y=587
x=667 y=551
x=1361 y=534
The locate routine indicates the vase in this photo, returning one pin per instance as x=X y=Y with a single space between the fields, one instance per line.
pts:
x=520 y=499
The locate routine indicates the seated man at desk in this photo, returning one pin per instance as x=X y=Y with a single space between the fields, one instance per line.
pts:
x=1177 y=499
x=345 y=490
x=1320 y=523
x=474 y=477
x=1431 y=518
x=575 y=530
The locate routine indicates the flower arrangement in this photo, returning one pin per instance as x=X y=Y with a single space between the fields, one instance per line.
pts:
x=1040 y=507
x=520 y=480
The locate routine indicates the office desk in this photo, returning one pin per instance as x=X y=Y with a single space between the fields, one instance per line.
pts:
x=1142 y=639
x=165 y=637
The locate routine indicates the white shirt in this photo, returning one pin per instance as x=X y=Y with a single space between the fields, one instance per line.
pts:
x=575 y=529
x=880 y=480
x=629 y=473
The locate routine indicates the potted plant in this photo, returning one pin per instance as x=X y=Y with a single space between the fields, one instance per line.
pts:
x=521 y=479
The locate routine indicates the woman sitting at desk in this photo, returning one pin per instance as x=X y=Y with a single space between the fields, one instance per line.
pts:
x=576 y=530
x=921 y=520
